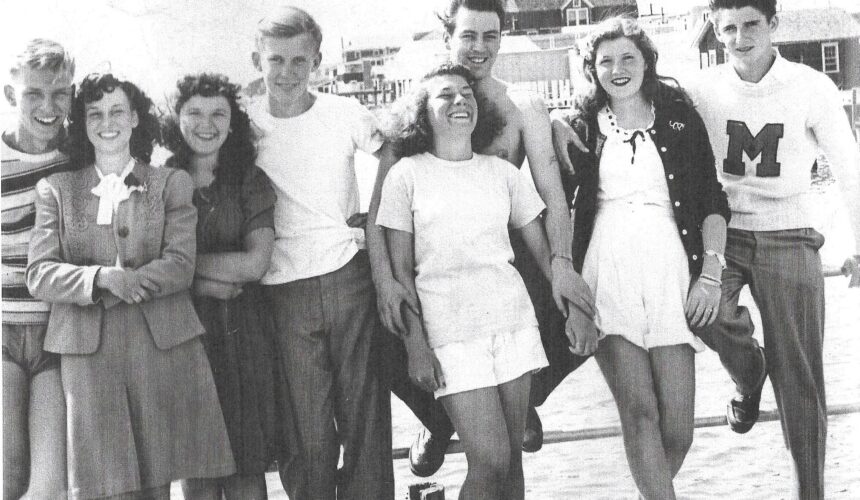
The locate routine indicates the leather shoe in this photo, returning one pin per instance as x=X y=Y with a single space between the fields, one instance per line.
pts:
x=533 y=437
x=743 y=409
x=427 y=453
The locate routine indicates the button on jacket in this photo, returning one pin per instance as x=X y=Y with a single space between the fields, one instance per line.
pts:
x=688 y=164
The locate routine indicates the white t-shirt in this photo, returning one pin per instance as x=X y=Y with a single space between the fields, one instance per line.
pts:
x=310 y=161
x=459 y=213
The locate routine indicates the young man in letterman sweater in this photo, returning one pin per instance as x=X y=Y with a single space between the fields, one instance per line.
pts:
x=767 y=119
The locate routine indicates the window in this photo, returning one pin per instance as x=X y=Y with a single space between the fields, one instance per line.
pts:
x=576 y=3
x=576 y=17
x=830 y=57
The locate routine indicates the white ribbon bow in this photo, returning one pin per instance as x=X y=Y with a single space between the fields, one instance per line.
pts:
x=111 y=192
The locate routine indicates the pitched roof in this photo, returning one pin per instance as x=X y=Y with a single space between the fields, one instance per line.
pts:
x=809 y=25
x=514 y=6
x=804 y=25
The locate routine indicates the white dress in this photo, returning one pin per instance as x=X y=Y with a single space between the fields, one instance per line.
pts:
x=635 y=264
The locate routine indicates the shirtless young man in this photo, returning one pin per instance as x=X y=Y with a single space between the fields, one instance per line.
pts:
x=473 y=37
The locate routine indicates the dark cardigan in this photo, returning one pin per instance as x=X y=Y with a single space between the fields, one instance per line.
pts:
x=688 y=164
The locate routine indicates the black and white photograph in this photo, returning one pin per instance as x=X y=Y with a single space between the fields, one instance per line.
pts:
x=430 y=249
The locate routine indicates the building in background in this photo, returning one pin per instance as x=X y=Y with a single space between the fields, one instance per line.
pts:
x=825 y=39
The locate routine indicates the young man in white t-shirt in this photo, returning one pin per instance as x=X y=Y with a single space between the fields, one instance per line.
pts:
x=319 y=280
x=767 y=119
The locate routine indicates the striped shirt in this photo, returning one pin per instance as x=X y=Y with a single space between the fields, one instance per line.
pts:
x=20 y=173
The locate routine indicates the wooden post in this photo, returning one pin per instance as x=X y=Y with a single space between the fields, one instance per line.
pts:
x=855 y=120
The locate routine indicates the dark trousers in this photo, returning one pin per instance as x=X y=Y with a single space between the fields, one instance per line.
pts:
x=325 y=330
x=555 y=343
x=783 y=271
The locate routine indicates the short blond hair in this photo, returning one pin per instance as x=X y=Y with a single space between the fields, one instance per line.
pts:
x=287 y=21
x=41 y=53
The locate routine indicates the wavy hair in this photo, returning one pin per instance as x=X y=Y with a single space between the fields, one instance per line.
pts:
x=448 y=15
x=591 y=97
x=237 y=154
x=92 y=89
x=407 y=125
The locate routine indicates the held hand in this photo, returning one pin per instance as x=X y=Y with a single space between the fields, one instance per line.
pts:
x=852 y=268
x=581 y=331
x=703 y=303
x=568 y=284
x=390 y=297
x=562 y=136
x=424 y=369
x=358 y=219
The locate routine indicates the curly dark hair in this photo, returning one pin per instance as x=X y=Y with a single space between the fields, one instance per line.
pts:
x=591 y=97
x=237 y=154
x=92 y=89
x=407 y=125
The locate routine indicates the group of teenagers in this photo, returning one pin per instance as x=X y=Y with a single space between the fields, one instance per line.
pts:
x=201 y=320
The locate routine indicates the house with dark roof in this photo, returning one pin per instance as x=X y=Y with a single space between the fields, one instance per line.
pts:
x=826 y=39
x=546 y=15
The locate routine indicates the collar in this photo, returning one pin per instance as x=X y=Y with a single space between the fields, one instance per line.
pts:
x=127 y=170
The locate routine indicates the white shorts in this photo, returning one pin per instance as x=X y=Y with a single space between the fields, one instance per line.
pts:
x=637 y=269
x=489 y=361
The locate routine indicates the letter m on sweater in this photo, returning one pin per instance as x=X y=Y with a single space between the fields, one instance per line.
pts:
x=764 y=144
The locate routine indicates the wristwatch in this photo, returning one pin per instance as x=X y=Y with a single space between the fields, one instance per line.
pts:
x=720 y=257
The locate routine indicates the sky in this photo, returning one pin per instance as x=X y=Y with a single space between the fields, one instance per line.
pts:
x=154 y=42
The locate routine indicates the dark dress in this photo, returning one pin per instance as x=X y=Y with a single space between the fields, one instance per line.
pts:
x=239 y=332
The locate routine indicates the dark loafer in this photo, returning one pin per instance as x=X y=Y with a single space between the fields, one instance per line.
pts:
x=743 y=409
x=427 y=453
x=533 y=437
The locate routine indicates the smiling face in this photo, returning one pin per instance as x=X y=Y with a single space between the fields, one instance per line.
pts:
x=475 y=41
x=620 y=68
x=110 y=122
x=746 y=33
x=42 y=99
x=205 y=123
x=451 y=106
x=286 y=65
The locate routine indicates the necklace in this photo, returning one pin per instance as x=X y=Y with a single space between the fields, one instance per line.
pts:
x=630 y=136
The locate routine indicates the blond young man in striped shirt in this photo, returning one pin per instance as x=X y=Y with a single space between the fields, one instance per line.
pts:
x=39 y=89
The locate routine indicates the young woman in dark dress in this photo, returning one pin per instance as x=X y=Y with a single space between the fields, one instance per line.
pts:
x=210 y=137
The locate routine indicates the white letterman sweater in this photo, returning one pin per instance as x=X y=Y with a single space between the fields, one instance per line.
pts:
x=792 y=112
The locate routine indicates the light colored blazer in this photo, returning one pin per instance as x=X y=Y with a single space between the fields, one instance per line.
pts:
x=152 y=232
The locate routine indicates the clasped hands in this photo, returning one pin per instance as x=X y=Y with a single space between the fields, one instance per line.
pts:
x=126 y=284
x=574 y=299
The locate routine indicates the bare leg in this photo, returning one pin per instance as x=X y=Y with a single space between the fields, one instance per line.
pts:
x=627 y=370
x=47 y=423
x=16 y=448
x=485 y=440
x=515 y=403
x=674 y=371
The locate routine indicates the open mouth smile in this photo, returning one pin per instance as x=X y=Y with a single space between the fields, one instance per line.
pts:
x=460 y=115
x=108 y=135
x=205 y=136
x=47 y=121
x=620 y=82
